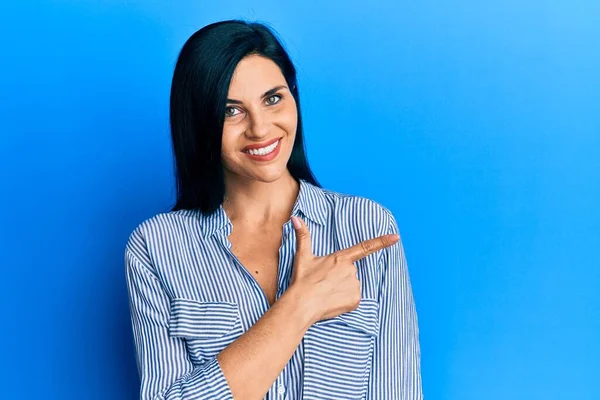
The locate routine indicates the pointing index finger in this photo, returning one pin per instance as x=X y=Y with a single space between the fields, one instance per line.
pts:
x=367 y=247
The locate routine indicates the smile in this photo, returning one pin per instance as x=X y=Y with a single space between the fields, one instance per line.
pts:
x=267 y=152
x=263 y=150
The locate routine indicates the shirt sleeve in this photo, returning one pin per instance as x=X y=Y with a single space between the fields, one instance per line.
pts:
x=396 y=369
x=164 y=367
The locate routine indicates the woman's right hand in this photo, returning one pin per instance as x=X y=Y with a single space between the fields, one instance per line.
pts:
x=330 y=283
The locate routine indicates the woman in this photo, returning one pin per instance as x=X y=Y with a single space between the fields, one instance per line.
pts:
x=259 y=282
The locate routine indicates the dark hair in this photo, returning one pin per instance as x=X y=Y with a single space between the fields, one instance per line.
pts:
x=198 y=100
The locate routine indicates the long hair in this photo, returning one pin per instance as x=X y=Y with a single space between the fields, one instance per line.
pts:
x=197 y=107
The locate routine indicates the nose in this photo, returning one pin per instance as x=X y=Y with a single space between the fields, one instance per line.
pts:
x=259 y=126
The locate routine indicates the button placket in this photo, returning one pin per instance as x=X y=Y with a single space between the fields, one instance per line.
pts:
x=284 y=262
x=280 y=385
x=280 y=390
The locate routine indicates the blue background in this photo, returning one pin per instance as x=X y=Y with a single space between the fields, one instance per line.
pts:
x=476 y=122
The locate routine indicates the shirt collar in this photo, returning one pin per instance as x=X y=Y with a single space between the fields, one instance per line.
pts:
x=311 y=203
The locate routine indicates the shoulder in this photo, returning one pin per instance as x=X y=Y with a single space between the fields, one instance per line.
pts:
x=364 y=214
x=163 y=229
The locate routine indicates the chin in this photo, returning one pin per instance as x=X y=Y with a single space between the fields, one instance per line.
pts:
x=268 y=175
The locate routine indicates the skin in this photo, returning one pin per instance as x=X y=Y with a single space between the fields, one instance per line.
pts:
x=259 y=200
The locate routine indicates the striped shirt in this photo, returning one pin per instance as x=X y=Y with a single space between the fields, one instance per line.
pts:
x=190 y=297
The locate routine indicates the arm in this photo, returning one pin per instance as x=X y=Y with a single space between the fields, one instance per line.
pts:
x=166 y=373
x=396 y=370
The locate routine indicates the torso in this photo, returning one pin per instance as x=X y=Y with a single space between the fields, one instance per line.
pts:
x=258 y=251
x=195 y=272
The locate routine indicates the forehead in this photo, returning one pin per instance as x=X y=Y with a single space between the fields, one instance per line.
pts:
x=253 y=76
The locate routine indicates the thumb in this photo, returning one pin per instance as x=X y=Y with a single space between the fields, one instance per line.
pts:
x=303 y=244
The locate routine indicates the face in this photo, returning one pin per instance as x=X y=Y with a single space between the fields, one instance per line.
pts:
x=260 y=122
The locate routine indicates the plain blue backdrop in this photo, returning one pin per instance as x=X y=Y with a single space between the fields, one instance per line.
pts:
x=476 y=122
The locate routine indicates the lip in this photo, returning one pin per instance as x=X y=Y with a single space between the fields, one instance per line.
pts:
x=260 y=145
x=267 y=157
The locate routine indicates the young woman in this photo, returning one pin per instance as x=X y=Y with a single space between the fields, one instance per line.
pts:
x=259 y=283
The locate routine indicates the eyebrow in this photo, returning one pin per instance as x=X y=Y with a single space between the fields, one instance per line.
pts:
x=268 y=93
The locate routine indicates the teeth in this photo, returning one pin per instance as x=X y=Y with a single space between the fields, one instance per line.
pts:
x=263 y=151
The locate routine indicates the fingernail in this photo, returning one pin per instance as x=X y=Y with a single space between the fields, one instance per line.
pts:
x=296 y=223
x=395 y=237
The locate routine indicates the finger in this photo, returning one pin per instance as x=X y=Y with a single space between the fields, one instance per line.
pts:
x=303 y=243
x=363 y=249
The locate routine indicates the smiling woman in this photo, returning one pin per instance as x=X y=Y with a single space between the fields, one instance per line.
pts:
x=260 y=283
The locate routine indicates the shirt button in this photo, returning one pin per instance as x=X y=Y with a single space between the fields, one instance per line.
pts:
x=281 y=390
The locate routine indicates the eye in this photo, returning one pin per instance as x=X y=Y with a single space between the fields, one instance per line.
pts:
x=230 y=111
x=276 y=98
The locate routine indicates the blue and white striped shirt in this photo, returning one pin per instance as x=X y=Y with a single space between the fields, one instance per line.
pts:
x=190 y=297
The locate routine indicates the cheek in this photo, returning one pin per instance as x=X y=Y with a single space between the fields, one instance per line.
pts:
x=229 y=146
x=289 y=119
x=230 y=159
x=229 y=139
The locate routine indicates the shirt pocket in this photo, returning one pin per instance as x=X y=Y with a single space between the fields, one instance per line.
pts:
x=339 y=352
x=207 y=327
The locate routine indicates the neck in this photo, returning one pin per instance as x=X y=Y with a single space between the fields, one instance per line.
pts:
x=254 y=203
